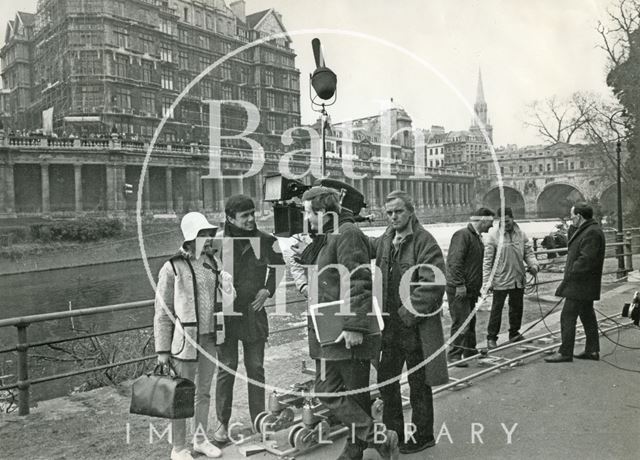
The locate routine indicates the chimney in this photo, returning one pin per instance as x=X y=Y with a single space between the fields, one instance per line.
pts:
x=238 y=8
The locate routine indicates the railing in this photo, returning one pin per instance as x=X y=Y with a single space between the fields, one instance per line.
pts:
x=624 y=250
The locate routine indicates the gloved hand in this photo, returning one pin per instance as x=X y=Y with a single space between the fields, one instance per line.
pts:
x=534 y=269
x=163 y=358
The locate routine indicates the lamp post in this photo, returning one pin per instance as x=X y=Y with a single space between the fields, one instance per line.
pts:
x=620 y=223
x=324 y=82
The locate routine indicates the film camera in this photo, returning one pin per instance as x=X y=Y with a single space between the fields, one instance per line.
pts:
x=632 y=310
x=285 y=196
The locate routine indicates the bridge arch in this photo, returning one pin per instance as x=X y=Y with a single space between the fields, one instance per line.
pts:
x=512 y=199
x=556 y=200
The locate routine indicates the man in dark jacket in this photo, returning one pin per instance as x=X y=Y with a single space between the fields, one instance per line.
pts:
x=581 y=285
x=345 y=364
x=413 y=328
x=464 y=280
x=254 y=279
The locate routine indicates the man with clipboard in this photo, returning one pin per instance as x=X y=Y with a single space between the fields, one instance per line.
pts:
x=338 y=261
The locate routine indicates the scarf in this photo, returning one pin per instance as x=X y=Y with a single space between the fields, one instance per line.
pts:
x=310 y=253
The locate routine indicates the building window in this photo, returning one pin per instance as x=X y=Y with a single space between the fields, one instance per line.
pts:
x=183 y=36
x=548 y=166
x=183 y=81
x=540 y=168
x=147 y=70
x=148 y=102
x=530 y=168
x=227 y=92
x=270 y=100
x=203 y=61
x=166 y=79
x=207 y=89
x=167 y=111
x=89 y=63
x=226 y=71
x=121 y=64
x=166 y=53
x=91 y=98
x=122 y=99
x=166 y=26
x=268 y=77
x=183 y=60
x=571 y=165
x=271 y=123
x=120 y=38
x=146 y=44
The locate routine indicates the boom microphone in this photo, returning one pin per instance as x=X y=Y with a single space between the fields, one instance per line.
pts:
x=323 y=79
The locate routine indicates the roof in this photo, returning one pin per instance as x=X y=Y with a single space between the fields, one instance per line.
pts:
x=28 y=19
x=255 y=18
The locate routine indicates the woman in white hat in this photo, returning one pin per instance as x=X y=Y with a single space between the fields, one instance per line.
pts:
x=189 y=285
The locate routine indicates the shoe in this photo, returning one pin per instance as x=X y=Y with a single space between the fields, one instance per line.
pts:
x=516 y=338
x=388 y=450
x=183 y=454
x=455 y=360
x=221 y=434
x=491 y=344
x=414 y=447
x=206 y=448
x=558 y=358
x=470 y=353
x=594 y=356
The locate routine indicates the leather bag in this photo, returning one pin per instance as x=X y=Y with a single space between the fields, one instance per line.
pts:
x=163 y=395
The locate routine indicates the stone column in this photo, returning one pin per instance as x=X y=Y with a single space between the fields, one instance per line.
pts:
x=218 y=189
x=7 y=196
x=169 y=189
x=259 y=180
x=77 y=181
x=146 y=192
x=46 y=200
x=115 y=174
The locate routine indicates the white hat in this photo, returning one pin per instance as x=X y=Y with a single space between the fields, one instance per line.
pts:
x=192 y=223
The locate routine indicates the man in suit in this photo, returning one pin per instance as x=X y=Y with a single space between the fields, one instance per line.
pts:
x=413 y=328
x=581 y=285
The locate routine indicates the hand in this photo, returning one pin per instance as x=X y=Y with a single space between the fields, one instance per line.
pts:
x=261 y=297
x=461 y=292
x=163 y=358
x=299 y=246
x=351 y=338
x=407 y=317
x=534 y=270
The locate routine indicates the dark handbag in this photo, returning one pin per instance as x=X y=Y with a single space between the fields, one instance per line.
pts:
x=163 y=395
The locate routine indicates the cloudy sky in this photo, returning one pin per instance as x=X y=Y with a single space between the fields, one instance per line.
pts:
x=425 y=54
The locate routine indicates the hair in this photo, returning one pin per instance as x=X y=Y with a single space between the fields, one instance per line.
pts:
x=484 y=212
x=507 y=212
x=323 y=198
x=238 y=203
x=583 y=209
x=404 y=196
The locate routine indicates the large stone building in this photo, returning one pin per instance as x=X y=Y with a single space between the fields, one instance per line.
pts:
x=118 y=65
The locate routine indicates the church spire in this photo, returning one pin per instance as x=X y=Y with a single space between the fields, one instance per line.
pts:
x=480 y=91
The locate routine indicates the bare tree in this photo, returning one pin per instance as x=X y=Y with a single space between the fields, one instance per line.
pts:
x=561 y=120
x=623 y=20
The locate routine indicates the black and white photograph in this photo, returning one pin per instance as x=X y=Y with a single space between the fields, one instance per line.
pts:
x=291 y=229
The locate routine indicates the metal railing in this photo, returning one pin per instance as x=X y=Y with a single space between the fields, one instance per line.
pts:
x=624 y=249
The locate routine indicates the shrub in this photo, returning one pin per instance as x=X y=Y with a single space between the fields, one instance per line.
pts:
x=82 y=230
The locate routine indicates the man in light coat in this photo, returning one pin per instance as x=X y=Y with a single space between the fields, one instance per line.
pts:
x=413 y=327
x=510 y=276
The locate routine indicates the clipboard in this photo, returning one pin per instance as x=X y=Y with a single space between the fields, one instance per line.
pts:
x=328 y=324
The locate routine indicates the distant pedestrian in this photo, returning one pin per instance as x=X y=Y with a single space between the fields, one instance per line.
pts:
x=581 y=285
x=510 y=276
x=464 y=280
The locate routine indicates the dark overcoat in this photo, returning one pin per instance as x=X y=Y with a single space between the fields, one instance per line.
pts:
x=419 y=248
x=585 y=258
x=348 y=247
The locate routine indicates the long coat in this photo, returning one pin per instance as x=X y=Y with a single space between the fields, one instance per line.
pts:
x=419 y=248
x=348 y=247
x=585 y=258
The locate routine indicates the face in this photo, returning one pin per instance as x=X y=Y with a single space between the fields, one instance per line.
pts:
x=575 y=218
x=485 y=225
x=207 y=233
x=245 y=220
x=508 y=223
x=398 y=214
x=311 y=216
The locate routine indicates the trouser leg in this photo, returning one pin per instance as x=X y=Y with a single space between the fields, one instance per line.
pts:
x=202 y=402
x=459 y=309
x=227 y=356
x=390 y=367
x=470 y=332
x=254 y=364
x=568 y=317
x=187 y=370
x=354 y=411
x=495 y=317
x=590 y=324
x=421 y=398
x=516 y=304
